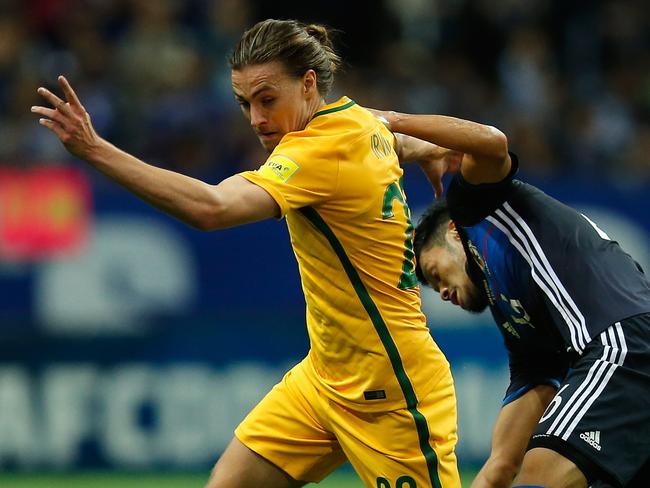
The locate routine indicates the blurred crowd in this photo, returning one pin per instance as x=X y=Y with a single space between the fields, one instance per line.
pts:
x=569 y=82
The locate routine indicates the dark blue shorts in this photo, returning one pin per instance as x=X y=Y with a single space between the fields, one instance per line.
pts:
x=600 y=417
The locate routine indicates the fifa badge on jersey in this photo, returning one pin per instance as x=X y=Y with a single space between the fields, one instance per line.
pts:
x=279 y=168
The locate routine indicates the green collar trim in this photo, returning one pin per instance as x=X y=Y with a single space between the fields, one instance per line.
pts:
x=334 y=109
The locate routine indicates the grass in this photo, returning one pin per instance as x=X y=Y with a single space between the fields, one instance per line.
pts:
x=108 y=479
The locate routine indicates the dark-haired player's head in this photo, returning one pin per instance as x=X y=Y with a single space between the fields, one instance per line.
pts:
x=281 y=70
x=442 y=262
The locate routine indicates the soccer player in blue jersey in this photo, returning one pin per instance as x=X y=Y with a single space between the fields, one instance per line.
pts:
x=573 y=308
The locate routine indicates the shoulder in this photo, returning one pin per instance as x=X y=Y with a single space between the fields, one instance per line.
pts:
x=344 y=119
x=332 y=130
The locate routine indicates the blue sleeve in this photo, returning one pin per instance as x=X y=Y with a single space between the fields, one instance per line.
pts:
x=469 y=204
x=529 y=369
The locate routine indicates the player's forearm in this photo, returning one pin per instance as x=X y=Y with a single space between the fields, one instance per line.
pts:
x=512 y=430
x=190 y=200
x=450 y=132
x=413 y=149
x=496 y=473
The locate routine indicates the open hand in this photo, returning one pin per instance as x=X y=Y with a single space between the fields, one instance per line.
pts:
x=437 y=164
x=68 y=120
x=434 y=160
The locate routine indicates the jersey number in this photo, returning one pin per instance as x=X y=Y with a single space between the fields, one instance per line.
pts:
x=402 y=482
x=396 y=192
x=553 y=406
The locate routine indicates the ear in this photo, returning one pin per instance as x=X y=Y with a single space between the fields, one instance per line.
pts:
x=309 y=81
x=452 y=231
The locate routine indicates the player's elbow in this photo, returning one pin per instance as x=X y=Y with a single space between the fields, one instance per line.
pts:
x=209 y=219
x=497 y=142
x=205 y=223
x=208 y=214
x=200 y=219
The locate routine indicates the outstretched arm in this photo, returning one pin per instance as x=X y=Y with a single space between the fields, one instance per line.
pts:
x=512 y=431
x=232 y=202
x=484 y=148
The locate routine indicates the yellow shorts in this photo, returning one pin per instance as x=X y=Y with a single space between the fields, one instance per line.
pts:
x=306 y=434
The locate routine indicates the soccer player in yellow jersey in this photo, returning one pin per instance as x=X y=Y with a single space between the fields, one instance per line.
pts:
x=374 y=388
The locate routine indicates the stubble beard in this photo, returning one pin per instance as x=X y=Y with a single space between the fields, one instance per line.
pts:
x=477 y=300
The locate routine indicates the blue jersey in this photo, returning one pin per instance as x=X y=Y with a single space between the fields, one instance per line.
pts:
x=554 y=280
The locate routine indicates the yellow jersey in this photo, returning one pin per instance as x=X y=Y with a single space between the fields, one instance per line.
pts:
x=338 y=183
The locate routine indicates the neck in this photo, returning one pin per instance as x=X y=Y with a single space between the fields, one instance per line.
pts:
x=315 y=106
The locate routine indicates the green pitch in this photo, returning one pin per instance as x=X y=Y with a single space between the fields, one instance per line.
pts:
x=343 y=479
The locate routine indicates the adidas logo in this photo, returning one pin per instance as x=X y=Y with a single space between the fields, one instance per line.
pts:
x=592 y=438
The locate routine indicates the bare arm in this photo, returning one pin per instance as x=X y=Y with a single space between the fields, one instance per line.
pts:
x=434 y=160
x=232 y=202
x=414 y=149
x=485 y=148
x=512 y=431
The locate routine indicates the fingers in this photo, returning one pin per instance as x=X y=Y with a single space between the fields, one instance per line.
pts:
x=455 y=161
x=50 y=114
x=434 y=172
x=47 y=112
x=55 y=101
x=59 y=118
x=70 y=95
x=435 y=177
x=54 y=127
x=437 y=188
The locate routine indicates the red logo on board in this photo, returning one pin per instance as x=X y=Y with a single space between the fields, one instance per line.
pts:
x=44 y=212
